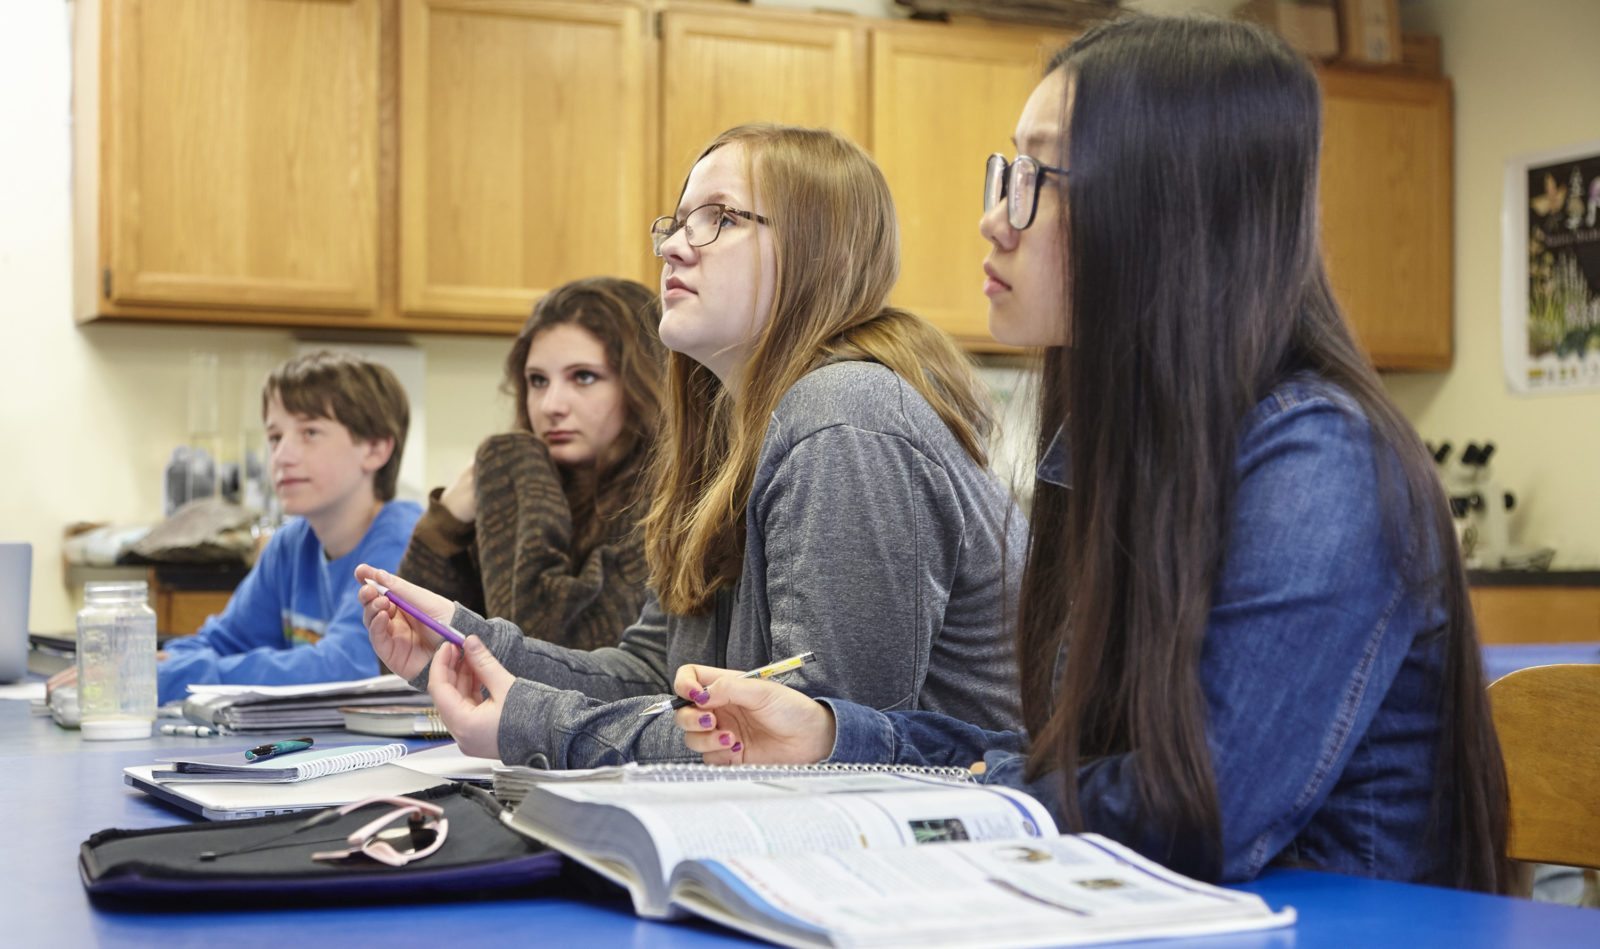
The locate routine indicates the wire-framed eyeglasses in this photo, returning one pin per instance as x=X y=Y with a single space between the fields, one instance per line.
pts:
x=413 y=830
x=1018 y=183
x=700 y=226
x=409 y=831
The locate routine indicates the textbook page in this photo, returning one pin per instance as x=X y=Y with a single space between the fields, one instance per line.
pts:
x=788 y=816
x=800 y=815
x=1053 y=891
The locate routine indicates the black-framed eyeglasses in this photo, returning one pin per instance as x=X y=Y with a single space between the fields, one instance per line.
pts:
x=1017 y=182
x=701 y=226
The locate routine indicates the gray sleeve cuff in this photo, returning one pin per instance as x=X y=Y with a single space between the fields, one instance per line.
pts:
x=500 y=636
x=520 y=719
x=543 y=727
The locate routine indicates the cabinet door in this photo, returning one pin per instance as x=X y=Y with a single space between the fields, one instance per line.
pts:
x=1386 y=213
x=724 y=69
x=944 y=99
x=240 y=166
x=523 y=155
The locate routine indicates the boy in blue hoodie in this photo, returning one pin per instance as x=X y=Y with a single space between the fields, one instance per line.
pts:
x=336 y=426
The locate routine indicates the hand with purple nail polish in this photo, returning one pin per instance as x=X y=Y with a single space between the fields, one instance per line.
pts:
x=740 y=720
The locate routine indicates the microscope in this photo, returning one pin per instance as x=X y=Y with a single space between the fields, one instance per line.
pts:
x=1481 y=509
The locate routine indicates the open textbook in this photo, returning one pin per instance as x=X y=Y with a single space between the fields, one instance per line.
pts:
x=873 y=859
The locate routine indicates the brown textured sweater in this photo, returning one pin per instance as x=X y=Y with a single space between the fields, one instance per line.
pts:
x=517 y=561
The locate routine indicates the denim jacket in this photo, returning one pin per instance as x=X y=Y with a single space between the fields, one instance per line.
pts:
x=1321 y=681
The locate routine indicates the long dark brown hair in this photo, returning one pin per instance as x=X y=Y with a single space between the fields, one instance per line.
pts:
x=623 y=316
x=1185 y=311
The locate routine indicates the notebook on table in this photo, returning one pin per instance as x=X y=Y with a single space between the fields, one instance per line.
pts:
x=288 y=768
x=276 y=708
x=227 y=787
x=399 y=721
x=512 y=783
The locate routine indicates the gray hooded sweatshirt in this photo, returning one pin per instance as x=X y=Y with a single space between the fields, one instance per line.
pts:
x=872 y=539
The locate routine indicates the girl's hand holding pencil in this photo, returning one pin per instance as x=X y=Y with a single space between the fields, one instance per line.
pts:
x=405 y=622
x=735 y=718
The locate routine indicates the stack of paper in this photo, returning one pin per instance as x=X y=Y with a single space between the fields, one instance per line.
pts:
x=276 y=708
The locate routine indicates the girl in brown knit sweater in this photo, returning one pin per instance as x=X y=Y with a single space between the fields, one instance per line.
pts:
x=541 y=528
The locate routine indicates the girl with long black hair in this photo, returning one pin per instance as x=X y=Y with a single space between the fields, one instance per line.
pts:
x=1244 y=635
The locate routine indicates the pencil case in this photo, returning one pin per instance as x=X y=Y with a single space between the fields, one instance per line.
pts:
x=162 y=869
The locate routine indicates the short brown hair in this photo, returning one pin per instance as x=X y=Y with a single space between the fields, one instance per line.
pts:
x=363 y=396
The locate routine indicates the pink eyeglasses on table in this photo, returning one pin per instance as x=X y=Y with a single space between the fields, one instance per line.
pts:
x=424 y=830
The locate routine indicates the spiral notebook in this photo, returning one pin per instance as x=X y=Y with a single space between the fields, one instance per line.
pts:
x=230 y=800
x=282 y=769
x=511 y=784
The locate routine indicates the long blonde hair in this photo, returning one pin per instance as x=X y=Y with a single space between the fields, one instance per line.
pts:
x=838 y=255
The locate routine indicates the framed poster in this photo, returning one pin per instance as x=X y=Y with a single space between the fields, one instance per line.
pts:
x=1550 y=271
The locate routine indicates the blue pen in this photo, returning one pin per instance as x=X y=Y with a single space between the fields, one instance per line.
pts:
x=274 y=748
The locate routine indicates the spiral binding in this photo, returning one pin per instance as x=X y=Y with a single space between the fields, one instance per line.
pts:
x=756 y=772
x=351 y=761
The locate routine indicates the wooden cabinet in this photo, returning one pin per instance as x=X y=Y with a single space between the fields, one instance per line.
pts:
x=439 y=164
x=943 y=100
x=721 y=68
x=1546 y=612
x=1387 y=215
x=238 y=158
x=375 y=164
x=522 y=155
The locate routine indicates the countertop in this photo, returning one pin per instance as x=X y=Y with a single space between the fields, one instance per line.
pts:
x=1534 y=578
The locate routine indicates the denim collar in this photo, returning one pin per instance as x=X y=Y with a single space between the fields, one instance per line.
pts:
x=1056 y=465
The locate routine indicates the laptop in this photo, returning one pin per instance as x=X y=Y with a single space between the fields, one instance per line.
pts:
x=220 y=800
x=16 y=569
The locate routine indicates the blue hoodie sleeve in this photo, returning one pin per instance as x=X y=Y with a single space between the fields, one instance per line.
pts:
x=253 y=619
x=343 y=652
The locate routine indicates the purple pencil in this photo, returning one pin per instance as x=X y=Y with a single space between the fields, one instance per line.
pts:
x=443 y=629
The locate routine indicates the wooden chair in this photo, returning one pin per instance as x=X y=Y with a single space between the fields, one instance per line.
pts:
x=1548 y=718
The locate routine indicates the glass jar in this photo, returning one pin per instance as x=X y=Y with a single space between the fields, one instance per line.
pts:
x=116 y=661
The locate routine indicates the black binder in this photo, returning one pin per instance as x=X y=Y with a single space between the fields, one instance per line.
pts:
x=162 y=870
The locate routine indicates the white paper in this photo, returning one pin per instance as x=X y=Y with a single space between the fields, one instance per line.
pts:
x=388 y=683
x=25 y=691
x=447 y=761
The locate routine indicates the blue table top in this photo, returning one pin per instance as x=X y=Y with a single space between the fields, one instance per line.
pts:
x=56 y=790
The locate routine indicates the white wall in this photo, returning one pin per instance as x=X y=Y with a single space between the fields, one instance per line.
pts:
x=89 y=415
x=1526 y=77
